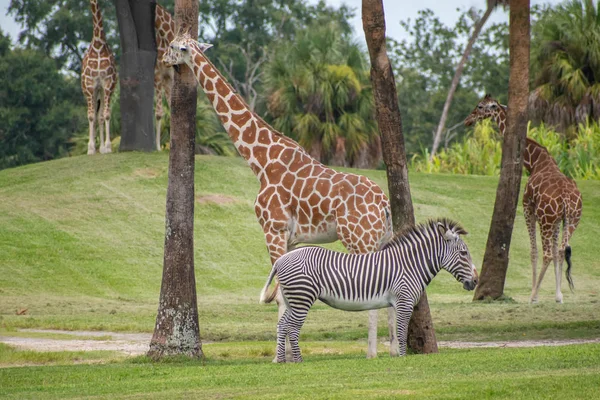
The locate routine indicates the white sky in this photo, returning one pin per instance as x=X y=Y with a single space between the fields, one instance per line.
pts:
x=395 y=11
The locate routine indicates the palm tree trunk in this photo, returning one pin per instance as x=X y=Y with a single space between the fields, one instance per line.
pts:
x=177 y=330
x=421 y=332
x=495 y=260
x=456 y=79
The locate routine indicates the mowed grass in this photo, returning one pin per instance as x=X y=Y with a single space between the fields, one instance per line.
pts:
x=81 y=247
x=568 y=372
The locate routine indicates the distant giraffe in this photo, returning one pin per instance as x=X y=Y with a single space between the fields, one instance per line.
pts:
x=98 y=80
x=550 y=198
x=300 y=200
x=164 y=25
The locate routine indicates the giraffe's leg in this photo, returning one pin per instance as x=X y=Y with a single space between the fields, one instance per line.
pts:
x=372 y=334
x=557 y=263
x=404 y=311
x=367 y=244
x=106 y=117
x=547 y=250
x=530 y=221
x=92 y=122
x=571 y=222
x=158 y=111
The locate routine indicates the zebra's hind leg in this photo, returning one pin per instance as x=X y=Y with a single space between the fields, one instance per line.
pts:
x=282 y=335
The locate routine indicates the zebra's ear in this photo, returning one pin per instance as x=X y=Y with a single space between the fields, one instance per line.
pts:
x=446 y=232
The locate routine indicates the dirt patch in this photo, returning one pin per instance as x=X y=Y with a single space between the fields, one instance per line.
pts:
x=215 y=199
x=138 y=343
x=146 y=173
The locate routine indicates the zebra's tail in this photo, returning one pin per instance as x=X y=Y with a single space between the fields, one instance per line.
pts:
x=265 y=296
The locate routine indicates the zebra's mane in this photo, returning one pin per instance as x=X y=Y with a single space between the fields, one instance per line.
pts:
x=430 y=225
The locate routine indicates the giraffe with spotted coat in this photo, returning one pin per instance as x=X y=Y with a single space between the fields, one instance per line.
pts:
x=300 y=200
x=550 y=198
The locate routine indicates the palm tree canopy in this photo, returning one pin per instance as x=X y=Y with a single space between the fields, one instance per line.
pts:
x=318 y=93
x=566 y=65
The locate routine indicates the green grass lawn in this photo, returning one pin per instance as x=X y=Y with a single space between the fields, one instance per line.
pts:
x=81 y=247
x=568 y=372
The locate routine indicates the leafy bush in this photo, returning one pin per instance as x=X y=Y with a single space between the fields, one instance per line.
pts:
x=481 y=152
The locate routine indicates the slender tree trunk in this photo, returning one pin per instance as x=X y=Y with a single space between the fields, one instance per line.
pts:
x=456 y=79
x=495 y=260
x=421 y=332
x=177 y=330
x=136 y=73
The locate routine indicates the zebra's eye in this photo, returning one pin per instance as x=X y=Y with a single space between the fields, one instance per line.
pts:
x=464 y=253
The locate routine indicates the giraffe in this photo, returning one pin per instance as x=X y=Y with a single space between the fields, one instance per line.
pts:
x=164 y=25
x=300 y=200
x=550 y=198
x=98 y=80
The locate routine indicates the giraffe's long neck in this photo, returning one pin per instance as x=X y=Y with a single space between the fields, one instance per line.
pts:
x=251 y=135
x=533 y=149
x=537 y=156
x=500 y=119
x=97 y=19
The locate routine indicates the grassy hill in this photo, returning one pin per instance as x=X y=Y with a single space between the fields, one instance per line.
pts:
x=81 y=247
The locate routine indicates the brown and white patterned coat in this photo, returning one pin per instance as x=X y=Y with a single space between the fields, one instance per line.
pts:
x=550 y=198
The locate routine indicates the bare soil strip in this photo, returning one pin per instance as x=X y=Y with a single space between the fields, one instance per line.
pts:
x=138 y=343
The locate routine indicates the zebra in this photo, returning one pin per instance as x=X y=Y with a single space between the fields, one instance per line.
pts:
x=394 y=276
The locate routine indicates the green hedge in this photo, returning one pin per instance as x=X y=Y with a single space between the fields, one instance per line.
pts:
x=480 y=152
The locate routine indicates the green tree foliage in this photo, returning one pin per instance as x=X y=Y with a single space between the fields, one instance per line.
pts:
x=426 y=64
x=566 y=65
x=244 y=31
x=40 y=108
x=319 y=93
x=63 y=28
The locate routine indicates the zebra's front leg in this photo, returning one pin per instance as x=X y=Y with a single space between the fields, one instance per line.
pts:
x=393 y=332
x=404 y=309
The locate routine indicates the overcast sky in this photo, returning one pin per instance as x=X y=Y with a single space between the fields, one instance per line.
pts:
x=395 y=11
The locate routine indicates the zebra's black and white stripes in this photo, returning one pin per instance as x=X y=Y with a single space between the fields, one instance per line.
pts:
x=394 y=276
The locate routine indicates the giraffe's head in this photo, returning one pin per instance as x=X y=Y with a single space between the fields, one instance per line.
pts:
x=456 y=257
x=488 y=107
x=181 y=50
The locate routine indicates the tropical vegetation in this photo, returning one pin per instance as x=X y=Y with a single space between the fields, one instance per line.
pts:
x=318 y=92
x=296 y=64
x=566 y=66
x=481 y=151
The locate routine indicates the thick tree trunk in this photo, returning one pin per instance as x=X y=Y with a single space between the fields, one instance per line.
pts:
x=177 y=330
x=421 y=332
x=136 y=73
x=495 y=260
x=456 y=79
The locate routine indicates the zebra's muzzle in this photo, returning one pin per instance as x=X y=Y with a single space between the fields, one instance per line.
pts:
x=470 y=285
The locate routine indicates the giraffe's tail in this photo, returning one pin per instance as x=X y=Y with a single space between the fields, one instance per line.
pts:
x=569 y=265
x=265 y=296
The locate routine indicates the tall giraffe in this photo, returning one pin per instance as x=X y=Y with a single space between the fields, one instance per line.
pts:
x=550 y=198
x=164 y=25
x=300 y=200
x=98 y=80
